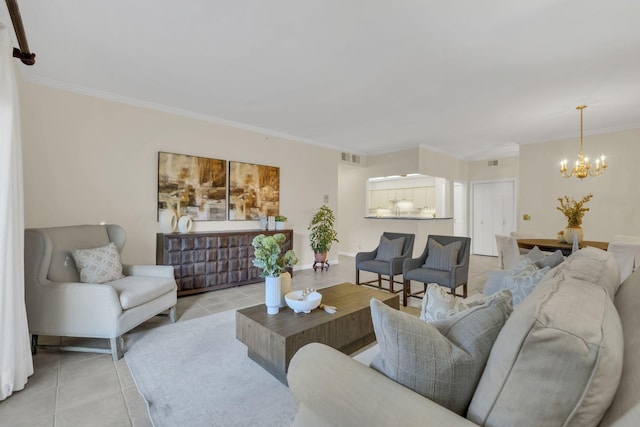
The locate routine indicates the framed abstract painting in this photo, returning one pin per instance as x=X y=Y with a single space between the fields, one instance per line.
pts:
x=254 y=190
x=192 y=186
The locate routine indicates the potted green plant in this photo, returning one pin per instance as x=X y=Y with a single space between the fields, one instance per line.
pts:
x=280 y=222
x=322 y=232
x=269 y=257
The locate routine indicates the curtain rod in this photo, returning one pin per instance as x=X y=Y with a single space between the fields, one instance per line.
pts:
x=23 y=53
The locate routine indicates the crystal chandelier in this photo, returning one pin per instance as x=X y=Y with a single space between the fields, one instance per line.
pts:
x=583 y=167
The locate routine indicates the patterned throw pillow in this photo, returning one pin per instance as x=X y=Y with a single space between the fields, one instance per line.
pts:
x=522 y=279
x=443 y=360
x=389 y=249
x=439 y=304
x=442 y=257
x=98 y=265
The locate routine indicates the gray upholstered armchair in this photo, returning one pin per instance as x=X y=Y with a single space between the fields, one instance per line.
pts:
x=60 y=304
x=439 y=263
x=386 y=259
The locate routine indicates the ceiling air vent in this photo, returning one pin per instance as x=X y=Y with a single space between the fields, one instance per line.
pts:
x=492 y=163
x=351 y=158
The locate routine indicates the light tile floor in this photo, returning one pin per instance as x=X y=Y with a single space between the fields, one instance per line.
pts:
x=90 y=390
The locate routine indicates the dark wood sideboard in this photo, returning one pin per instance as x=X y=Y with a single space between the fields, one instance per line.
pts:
x=207 y=261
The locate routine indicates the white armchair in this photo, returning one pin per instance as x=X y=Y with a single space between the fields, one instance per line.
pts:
x=58 y=304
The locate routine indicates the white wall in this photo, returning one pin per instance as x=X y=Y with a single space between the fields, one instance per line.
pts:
x=615 y=207
x=88 y=160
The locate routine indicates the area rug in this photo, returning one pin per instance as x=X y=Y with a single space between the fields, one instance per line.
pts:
x=195 y=373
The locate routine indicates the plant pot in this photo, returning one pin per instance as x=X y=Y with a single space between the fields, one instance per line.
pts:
x=570 y=231
x=321 y=256
x=280 y=225
x=272 y=294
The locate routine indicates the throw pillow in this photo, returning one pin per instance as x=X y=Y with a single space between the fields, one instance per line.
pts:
x=389 y=249
x=550 y=261
x=98 y=265
x=556 y=362
x=522 y=278
x=443 y=360
x=439 y=304
x=535 y=254
x=442 y=257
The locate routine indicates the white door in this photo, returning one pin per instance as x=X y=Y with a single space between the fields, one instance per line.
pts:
x=493 y=213
x=459 y=209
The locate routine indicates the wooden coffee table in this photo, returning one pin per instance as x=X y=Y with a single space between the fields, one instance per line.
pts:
x=272 y=340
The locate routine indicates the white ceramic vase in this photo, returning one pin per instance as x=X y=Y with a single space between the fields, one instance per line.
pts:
x=280 y=225
x=168 y=220
x=185 y=223
x=570 y=231
x=271 y=223
x=263 y=222
x=272 y=294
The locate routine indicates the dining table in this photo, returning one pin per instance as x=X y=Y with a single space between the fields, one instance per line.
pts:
x=552 y=245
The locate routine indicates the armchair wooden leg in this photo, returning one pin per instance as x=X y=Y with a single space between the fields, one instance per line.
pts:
x=391 y=283
x=406 y=290
x=357 y=277
x=379 y=280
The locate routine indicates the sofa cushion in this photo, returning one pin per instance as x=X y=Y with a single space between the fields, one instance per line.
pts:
x=595 y=266
x=522 y=279
x=442 y=360
x=389 y=249
x=442 y=257
x=98 y=265
x=626 y=403
x=137 y=290
x=438 y=304
x=557 y=361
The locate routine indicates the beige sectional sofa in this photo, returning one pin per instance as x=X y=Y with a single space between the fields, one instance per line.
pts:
x=567 y=356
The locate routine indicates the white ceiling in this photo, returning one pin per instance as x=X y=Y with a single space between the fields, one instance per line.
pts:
x=470 y=78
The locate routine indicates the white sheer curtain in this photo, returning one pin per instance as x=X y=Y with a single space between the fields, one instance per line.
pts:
x=16 y=363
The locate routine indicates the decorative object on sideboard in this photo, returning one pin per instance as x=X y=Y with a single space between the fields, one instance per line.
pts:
x=322 y=236
x=269 y=257
x=583 y=167
x=281 y=222
x=168 y=220
x=263 y=221
x=574 y=212
x=185 y=223
x=271 y=223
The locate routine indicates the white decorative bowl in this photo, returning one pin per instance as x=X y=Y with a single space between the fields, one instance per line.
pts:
x=309 y=302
